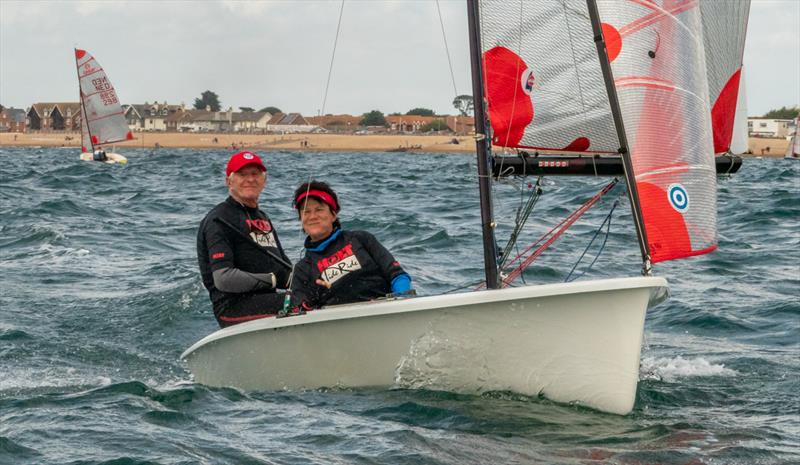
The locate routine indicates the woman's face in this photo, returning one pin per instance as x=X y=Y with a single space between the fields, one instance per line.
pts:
x=317 y=218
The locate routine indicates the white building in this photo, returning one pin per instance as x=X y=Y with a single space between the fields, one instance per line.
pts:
x=765 y=127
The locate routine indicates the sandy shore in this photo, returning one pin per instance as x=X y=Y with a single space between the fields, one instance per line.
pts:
x=310 y=142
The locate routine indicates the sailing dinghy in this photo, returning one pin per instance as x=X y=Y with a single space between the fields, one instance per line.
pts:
x=575 y=75
x=102 y=118
x=793 y=150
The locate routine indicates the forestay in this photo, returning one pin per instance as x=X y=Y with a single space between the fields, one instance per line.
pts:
x=724 y=31
x=102 y=118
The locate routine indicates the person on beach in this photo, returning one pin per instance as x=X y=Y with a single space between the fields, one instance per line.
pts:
x=241 y=259
x=339 y=266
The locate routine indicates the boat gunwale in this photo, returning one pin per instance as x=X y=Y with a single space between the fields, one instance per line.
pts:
x=435 y=302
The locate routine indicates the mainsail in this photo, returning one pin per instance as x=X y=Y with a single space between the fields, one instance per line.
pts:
x=543 y=82
x=102 y=117
x=724 y=31
x=545 y=89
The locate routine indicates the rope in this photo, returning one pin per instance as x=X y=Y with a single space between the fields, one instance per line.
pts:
x=602 y=246
x=522 y=217
x=547 y=239
x=447 y=50
x=330 y=69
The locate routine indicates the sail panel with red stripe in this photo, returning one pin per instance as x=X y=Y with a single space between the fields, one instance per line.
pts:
x=724 y=32
x=660 y=76
x=102 y=117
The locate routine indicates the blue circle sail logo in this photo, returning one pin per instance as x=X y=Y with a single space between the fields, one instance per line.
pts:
x=678 y=198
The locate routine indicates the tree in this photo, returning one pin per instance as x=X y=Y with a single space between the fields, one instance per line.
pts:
x=271 y=110
x=464 y=104
x=246 y=109
x=207 y=99
x=2 y=107
x=420 y=112
x=373 y=118
x=783 y=113
x=435 y=125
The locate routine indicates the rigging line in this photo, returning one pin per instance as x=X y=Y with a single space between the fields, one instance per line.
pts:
x=568 y=220
x=523 y=213
x=447 y=50
x=333 y=55
x=602 y=246
x=577 y=214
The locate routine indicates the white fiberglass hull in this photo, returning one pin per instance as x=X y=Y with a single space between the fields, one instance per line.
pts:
x=574 y=342
x=113 y=158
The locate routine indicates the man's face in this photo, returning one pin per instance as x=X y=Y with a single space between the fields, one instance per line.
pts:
x=246 y=184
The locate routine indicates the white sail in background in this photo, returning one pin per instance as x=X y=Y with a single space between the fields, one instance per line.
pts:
x=543 y=81
x=793 y=150
x=739 y=141
x=724 y=32
x=101 y=112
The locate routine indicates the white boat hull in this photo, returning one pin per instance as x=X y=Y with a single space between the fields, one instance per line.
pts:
x=576 y=342
x=113 y=158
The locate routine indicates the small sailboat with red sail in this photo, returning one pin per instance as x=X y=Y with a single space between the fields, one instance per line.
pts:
x=102 y=118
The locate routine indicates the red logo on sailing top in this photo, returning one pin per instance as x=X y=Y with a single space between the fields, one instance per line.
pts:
x=218 y=255
x=259 y=224
x=340 y=255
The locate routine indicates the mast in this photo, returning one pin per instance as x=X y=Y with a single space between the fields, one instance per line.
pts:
x=483 y=149
x=84 y=118
x=624 y=150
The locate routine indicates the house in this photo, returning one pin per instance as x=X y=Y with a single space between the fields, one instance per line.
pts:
x=410 y=123
x=12 y=120
x=180 y=120
x=251 y=121
x=766 y=127
x=65 y=116
x=149 y=116
x=336 y=123
x=461 y=125
x=291 y=122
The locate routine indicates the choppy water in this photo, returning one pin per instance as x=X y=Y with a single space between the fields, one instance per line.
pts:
x=100 y=294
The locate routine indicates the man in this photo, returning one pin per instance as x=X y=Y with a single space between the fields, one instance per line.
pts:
x=241 y=259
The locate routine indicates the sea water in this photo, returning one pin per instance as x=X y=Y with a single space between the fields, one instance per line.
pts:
x=100 y=294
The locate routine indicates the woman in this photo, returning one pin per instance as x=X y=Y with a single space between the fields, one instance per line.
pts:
x=339 y=266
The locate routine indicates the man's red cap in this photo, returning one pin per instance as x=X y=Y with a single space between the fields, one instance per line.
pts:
x=242 y=159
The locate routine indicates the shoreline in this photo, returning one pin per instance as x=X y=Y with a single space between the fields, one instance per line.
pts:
x=759 y=147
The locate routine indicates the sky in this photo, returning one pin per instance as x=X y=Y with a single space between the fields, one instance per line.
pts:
x=390 y=55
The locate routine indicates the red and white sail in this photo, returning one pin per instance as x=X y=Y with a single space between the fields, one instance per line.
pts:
x=660 y=76
x=542 y=78
x=724 y=32
x=545 y=89
x=102 y=117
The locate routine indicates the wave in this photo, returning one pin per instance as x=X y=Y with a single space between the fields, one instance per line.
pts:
x=673 y=368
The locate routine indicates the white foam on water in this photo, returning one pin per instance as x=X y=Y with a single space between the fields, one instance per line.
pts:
x=671 y=369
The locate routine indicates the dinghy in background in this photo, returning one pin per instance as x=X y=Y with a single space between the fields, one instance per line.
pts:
x=102 y=118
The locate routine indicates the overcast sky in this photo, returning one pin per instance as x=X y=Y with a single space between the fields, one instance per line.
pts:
x=390 y=55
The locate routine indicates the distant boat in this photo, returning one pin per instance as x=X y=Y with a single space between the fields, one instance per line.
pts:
x=793 y=150
x=102 y=118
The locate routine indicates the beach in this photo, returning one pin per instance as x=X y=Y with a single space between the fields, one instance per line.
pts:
x=303 y=142
x=294 y=142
